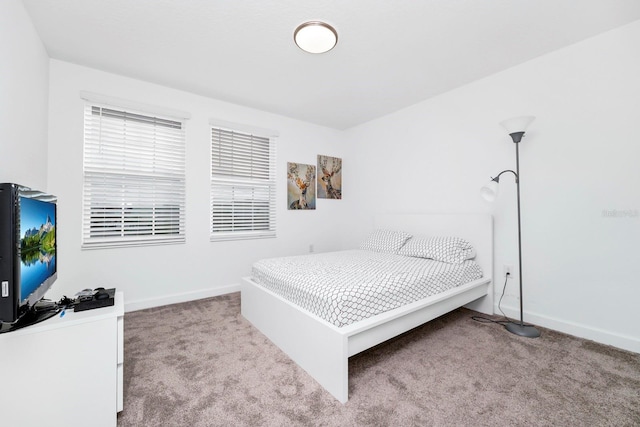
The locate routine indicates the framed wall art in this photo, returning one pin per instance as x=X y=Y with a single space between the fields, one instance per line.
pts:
x=301 y=188
x=329 y=177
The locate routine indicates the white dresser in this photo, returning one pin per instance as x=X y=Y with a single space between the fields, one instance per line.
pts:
x=65 y=371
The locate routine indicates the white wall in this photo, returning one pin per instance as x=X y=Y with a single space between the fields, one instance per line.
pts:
x=24 y=80
x=163 y=274
x=580 y=158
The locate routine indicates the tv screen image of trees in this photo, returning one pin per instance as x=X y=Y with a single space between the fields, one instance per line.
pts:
x=37 y=244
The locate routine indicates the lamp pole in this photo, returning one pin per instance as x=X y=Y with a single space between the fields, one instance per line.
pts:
x=515 y=128
x=521 y=329
x=519 y=230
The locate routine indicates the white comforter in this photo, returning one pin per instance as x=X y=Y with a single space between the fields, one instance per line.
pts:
x=347 y=286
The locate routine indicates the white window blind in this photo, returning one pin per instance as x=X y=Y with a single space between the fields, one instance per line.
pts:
x=243 y=189
x=134 y=179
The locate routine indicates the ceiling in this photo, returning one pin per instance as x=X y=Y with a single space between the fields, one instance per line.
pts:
x=390 y=53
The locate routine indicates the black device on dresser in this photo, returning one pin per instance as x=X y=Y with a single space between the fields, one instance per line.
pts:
x=101 y=298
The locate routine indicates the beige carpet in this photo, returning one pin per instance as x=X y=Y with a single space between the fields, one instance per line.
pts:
x=203 y=364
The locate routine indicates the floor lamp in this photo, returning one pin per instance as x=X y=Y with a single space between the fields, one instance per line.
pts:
x=515 y=128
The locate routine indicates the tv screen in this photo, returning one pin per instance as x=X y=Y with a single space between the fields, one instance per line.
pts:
x=37 y=247
x=28 y=259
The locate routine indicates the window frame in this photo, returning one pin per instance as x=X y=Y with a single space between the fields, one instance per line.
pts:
x=134 y=175
x=242 y=180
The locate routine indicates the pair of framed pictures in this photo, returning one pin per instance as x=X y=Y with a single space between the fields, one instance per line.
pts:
x=302 y=180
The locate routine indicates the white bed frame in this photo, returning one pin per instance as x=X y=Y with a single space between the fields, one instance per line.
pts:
x=322 y=349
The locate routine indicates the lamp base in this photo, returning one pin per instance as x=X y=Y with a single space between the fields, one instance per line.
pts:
x=527 y=331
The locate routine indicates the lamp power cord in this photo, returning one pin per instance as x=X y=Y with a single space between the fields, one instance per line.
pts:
x=506 y=320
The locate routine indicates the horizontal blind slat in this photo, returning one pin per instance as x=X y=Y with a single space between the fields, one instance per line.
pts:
x=242 y=185
x=134 y=179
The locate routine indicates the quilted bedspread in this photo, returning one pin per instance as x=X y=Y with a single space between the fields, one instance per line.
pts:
x=347 y=286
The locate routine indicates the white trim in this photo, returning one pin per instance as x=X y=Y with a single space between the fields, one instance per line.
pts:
x=226 y=237
x=624 y=342
x=142 y=304
x=134 y=105
x=252 y=130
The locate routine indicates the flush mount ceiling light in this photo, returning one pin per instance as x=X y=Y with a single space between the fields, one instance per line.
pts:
x=315 y=37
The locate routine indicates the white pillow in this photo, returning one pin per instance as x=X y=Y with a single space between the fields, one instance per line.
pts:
x=453 y=250
x=385 y=241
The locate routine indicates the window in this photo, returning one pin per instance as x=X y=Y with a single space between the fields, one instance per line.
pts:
x=134 y=178
x=242 y=184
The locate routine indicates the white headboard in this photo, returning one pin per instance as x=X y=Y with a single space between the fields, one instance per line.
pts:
x=476 y=228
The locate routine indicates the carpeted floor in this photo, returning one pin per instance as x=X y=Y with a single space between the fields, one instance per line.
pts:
x=203 y=364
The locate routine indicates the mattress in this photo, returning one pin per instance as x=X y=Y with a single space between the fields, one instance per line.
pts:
x=347 y=286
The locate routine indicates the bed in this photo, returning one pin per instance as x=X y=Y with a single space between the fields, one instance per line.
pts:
x=322 y=347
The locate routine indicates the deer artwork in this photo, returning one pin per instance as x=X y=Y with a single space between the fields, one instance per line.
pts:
x=302 y=184
x=328 y=173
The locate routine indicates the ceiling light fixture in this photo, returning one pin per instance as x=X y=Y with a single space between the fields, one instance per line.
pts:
x=315 y=37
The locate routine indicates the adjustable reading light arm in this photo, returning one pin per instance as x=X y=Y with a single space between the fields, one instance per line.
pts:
x=497 y=178
x=490 y=190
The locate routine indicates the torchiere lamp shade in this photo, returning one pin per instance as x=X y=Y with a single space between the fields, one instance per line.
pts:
x=517 y=124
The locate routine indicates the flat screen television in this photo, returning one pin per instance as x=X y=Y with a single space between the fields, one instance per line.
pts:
x=28 y=263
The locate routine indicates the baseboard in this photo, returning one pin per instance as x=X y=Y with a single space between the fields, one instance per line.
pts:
x=141 y=304
x=599 y=335
x=624 y=342
x=483 y=305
